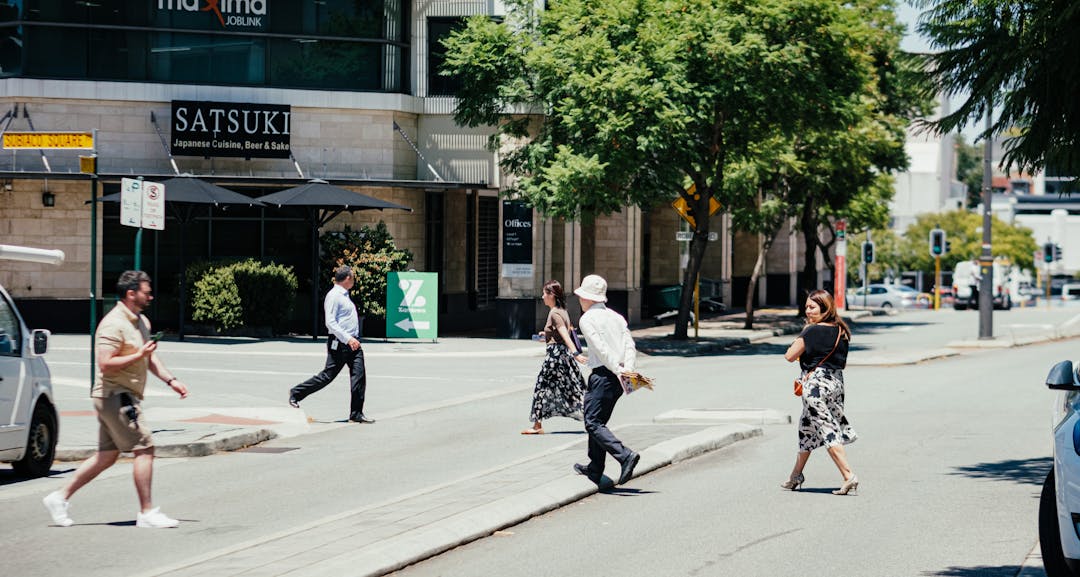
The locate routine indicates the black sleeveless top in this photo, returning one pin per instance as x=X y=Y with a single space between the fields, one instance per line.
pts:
x=819 y=340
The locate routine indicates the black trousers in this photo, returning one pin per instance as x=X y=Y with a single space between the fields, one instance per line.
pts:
x=338 y=358
x=603 y=392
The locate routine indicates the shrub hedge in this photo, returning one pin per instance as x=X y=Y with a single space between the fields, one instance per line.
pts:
x=244 y=294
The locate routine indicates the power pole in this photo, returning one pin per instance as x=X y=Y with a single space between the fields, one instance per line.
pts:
x=986 y=258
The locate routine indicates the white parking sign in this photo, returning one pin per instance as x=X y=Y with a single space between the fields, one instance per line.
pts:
x=142 y=204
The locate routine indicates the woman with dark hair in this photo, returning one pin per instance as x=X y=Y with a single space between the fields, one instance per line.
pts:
x=821 y=349
x=559 y=386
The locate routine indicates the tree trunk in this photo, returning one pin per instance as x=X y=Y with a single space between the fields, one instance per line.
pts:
x=693 y=268
x=759 y=267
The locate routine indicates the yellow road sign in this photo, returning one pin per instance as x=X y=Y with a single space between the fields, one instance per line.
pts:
x=52 y=140
x=683 y=208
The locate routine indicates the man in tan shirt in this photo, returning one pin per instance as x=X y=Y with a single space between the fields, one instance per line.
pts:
x=125 y=352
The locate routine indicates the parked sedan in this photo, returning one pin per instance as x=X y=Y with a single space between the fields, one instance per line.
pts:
x=885 y=296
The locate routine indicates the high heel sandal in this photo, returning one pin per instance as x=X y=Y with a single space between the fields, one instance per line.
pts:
x=793 y=483
x=851 y=484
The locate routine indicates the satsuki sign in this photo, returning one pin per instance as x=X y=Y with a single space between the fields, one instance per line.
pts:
x=230 y=129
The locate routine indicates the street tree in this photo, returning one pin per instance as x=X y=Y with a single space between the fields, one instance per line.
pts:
x=850 y=174
x=600 y=105
x=963 y=229
x=1020 y=58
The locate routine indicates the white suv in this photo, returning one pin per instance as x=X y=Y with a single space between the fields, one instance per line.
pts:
x=29 y=426
x=1059 y=505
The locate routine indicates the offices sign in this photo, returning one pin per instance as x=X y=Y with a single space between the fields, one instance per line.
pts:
x=233 y=129
x=517 y=242
x=238 y=15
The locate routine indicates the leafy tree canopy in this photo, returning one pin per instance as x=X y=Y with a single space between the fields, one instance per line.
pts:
x=963 y=231
x=1021 y=58
x=642 y=97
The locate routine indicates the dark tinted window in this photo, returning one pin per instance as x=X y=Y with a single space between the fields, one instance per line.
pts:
x=438 y=29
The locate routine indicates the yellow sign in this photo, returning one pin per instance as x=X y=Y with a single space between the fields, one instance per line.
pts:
x=683 y=208
x=53 y=140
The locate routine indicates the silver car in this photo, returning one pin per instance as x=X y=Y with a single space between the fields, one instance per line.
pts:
x=884 y=296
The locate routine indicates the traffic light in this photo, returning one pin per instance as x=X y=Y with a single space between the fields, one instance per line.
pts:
x=1048 y=252
x=1057 y=252
x=938 y=244
x=868 y=252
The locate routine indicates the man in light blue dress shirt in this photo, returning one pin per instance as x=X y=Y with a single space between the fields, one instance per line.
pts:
x=342 y=348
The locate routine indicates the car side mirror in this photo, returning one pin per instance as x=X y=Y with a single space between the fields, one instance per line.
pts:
x=1063 y=377
x=41 y=342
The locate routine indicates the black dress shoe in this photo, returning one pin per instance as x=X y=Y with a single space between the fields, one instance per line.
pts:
x=584 y=470
x=295 y=403
x=628 y=467
x=361 y=419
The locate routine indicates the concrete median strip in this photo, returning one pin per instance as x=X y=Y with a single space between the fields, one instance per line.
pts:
x=439 y=518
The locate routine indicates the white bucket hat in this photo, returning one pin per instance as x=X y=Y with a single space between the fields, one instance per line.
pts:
x=594 y=288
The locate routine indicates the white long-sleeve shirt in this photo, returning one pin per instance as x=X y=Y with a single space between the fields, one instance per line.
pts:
x=341 y=318
x=610 y=343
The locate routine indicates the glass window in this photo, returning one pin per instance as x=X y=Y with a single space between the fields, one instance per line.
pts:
x=325 y=64
x=10 y=335
x=10 y=50
x=9 y=10
x=205 y=58
x=56 y=52
x=439 y=29
x=349 y=18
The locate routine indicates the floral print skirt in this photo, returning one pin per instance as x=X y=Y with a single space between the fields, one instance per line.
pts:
x=823 y=423
x=559 y=386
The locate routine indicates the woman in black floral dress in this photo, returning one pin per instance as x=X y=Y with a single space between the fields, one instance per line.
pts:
x=560 y=386
x=822 y=349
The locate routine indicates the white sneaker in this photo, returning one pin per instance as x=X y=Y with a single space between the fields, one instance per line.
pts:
x=58 y=508
x=155 y=519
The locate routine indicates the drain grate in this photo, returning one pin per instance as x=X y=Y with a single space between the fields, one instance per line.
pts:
x=268 y=449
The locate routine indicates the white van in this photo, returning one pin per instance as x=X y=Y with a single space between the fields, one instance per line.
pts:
x=966 y=282
x=29 y=424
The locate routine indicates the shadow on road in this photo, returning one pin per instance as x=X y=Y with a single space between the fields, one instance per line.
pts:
x=1024 y=471
x=978 y=571
x=9 y=476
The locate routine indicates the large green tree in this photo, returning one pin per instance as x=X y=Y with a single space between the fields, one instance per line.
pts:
x=639 y=99
x=1019 y=56
x=963 y=230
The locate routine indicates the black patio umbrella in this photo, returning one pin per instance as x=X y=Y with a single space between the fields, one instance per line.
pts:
x=183 y=195
x=324 y=202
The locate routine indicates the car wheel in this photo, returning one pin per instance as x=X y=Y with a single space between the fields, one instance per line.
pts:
x=959 y=306
x=41 y=444
x=886 y=305
x=1049 y=533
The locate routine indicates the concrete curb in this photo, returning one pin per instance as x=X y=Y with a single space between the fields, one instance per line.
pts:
x=431 y=540
x=232 y=441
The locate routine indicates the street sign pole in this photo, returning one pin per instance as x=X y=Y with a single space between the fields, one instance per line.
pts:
x=138 y=233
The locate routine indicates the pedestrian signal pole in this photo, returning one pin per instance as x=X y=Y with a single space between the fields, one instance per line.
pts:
x=840 y=282
x=938 y=247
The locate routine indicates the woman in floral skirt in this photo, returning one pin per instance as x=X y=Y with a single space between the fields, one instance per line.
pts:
x=559 y=386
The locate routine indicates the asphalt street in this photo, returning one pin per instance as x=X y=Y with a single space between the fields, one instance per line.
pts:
x=950 y=451
x=951 y=459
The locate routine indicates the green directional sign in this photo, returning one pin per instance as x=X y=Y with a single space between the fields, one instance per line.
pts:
x=412 y=305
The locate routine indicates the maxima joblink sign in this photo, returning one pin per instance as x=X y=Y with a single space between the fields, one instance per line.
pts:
x=247 y=15
x=230 y=129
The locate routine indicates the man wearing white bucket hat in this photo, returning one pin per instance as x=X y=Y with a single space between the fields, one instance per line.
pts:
x=611 y=353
